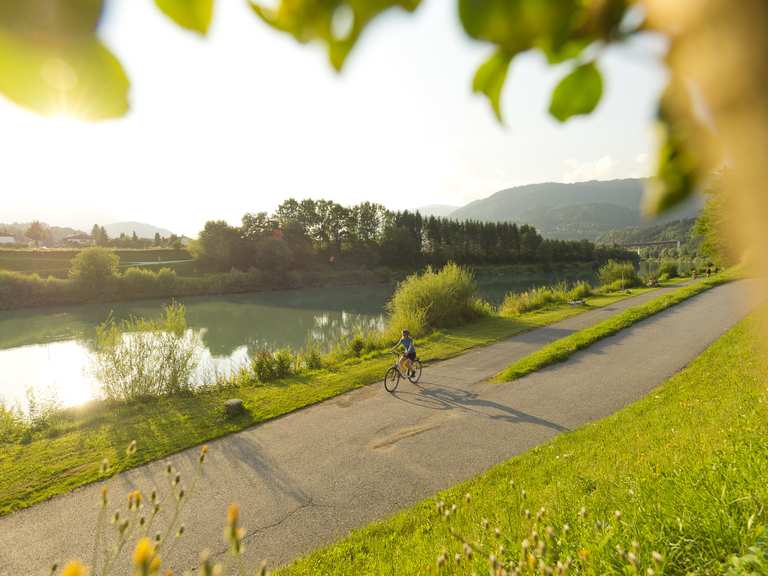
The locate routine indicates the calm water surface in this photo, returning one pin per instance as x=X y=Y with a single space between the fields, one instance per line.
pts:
x=46 y=352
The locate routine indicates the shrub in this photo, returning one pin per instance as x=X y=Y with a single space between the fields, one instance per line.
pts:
x=613 y=272
x=284 y=363
x=664 y=277
x=423 y=302
x=537 y=298
x=138 y=358
x=264 y=366
x=138 y=282
x=166 y=280
x=94 y=267
x=668 y=268
x=356 y=345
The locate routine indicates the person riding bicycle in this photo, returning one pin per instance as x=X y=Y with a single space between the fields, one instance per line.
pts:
x=410 y=351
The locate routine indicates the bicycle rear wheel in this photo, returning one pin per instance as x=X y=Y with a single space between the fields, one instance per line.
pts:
x=391 y=379
x=415 y=373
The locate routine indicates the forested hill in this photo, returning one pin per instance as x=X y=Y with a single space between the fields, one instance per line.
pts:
x=570 y=211
x=677 y=230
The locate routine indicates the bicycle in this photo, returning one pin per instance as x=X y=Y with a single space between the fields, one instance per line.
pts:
x=393 y=375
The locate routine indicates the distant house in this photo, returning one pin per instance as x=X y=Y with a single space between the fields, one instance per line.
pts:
x=185 y=241
x=6 y=240
x=78 y=240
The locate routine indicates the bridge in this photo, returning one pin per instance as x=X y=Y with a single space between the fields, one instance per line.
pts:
x=638 y=245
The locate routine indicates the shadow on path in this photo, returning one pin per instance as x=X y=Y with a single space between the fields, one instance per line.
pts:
x=450 y=398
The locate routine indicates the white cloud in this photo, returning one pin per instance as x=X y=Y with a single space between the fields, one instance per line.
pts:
x=579 y=171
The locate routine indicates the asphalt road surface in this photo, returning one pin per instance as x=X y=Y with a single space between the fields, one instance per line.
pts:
x=306 y=479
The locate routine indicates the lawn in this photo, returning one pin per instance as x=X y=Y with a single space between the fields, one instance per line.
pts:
x=674 y=483
x=56 y=262
x=67 y=452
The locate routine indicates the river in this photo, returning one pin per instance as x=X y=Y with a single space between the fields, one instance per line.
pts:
x=45 y=353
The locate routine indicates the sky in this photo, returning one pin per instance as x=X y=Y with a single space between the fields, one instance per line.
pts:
x=243 y=119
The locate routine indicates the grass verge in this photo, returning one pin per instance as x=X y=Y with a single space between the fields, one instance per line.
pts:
x=66 y=454
x=674 y=483
x=564 y=348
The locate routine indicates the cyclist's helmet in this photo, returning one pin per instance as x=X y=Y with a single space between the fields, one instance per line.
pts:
x=406 y=333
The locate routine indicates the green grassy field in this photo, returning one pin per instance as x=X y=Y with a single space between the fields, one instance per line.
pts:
x=566 y=347
x=67 y=452
x=674 y=484
x=56 y=262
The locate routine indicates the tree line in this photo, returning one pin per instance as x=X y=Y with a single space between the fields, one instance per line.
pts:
x=300 y=233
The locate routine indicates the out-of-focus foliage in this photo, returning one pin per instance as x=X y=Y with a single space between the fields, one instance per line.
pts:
x=193 y=15
x=577 y=93
x=52 y=61
x=336 y=23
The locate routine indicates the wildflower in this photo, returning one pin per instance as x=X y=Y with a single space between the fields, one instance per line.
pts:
x=168 y=469
x=457 y=558
x=203 y=453
x=484 y=523
x=583 y=554
x=262 y=569
x=467 y=497
x=566 y=528
x=650 y=572
x=441 y=560
x=440 y=506
x=631 y=558
x=104 y=468
x=582 y=512
x=453 y=509
x=75 y=568
x=525 y=544
x=549 y=531
x=180 y=532
x=617 y=514
x=656 y=557
x=527 y=514
x=134 y=500
x=104 y=492
x=131 y=450
x=145 y=558
x=233 y=534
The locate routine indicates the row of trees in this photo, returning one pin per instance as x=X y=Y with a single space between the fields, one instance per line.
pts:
x=299 y=233
x=101 y=238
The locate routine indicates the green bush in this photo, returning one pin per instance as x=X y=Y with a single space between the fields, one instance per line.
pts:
x=270 y=366
x=664 y=277
x=430 y=300
x=94 y=267
x=668 y=268
x=615 y=273
x=138 y=359
x=537 y=298
x=138 y=282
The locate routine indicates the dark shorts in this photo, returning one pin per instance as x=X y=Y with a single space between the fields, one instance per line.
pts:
x=410 y=355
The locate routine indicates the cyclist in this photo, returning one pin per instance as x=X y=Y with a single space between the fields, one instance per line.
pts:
x=410 y=351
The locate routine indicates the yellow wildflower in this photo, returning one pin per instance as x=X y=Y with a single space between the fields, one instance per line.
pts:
x=145 y=559
x=75 y=568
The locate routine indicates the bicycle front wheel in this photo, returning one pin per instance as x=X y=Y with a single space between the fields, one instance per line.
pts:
x=415 y=373
x=391 y=379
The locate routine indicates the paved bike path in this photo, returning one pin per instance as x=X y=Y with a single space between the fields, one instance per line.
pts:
x=307 y=478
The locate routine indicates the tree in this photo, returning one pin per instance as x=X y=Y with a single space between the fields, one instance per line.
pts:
x=158 y=239
x=36 y=232
x=94 y=267
x=219 y=246
x=713 y=223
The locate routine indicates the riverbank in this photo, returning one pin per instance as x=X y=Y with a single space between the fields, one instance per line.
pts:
x=66 y=450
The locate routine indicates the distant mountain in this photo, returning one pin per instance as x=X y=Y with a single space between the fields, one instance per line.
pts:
x=437 y=210
x=142 y=230
x=571 y=211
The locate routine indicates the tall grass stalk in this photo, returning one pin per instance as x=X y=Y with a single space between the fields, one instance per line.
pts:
x=543 y=296
x=140 y=358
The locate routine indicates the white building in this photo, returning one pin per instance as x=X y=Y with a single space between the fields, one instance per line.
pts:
x=7 y=240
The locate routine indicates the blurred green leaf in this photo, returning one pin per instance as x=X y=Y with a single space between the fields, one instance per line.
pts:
x=490 y=77
x=193 y=15
x=676 y=177
x=518 y=25
x=79 y=78
x=337 y=23
x=578 y=93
